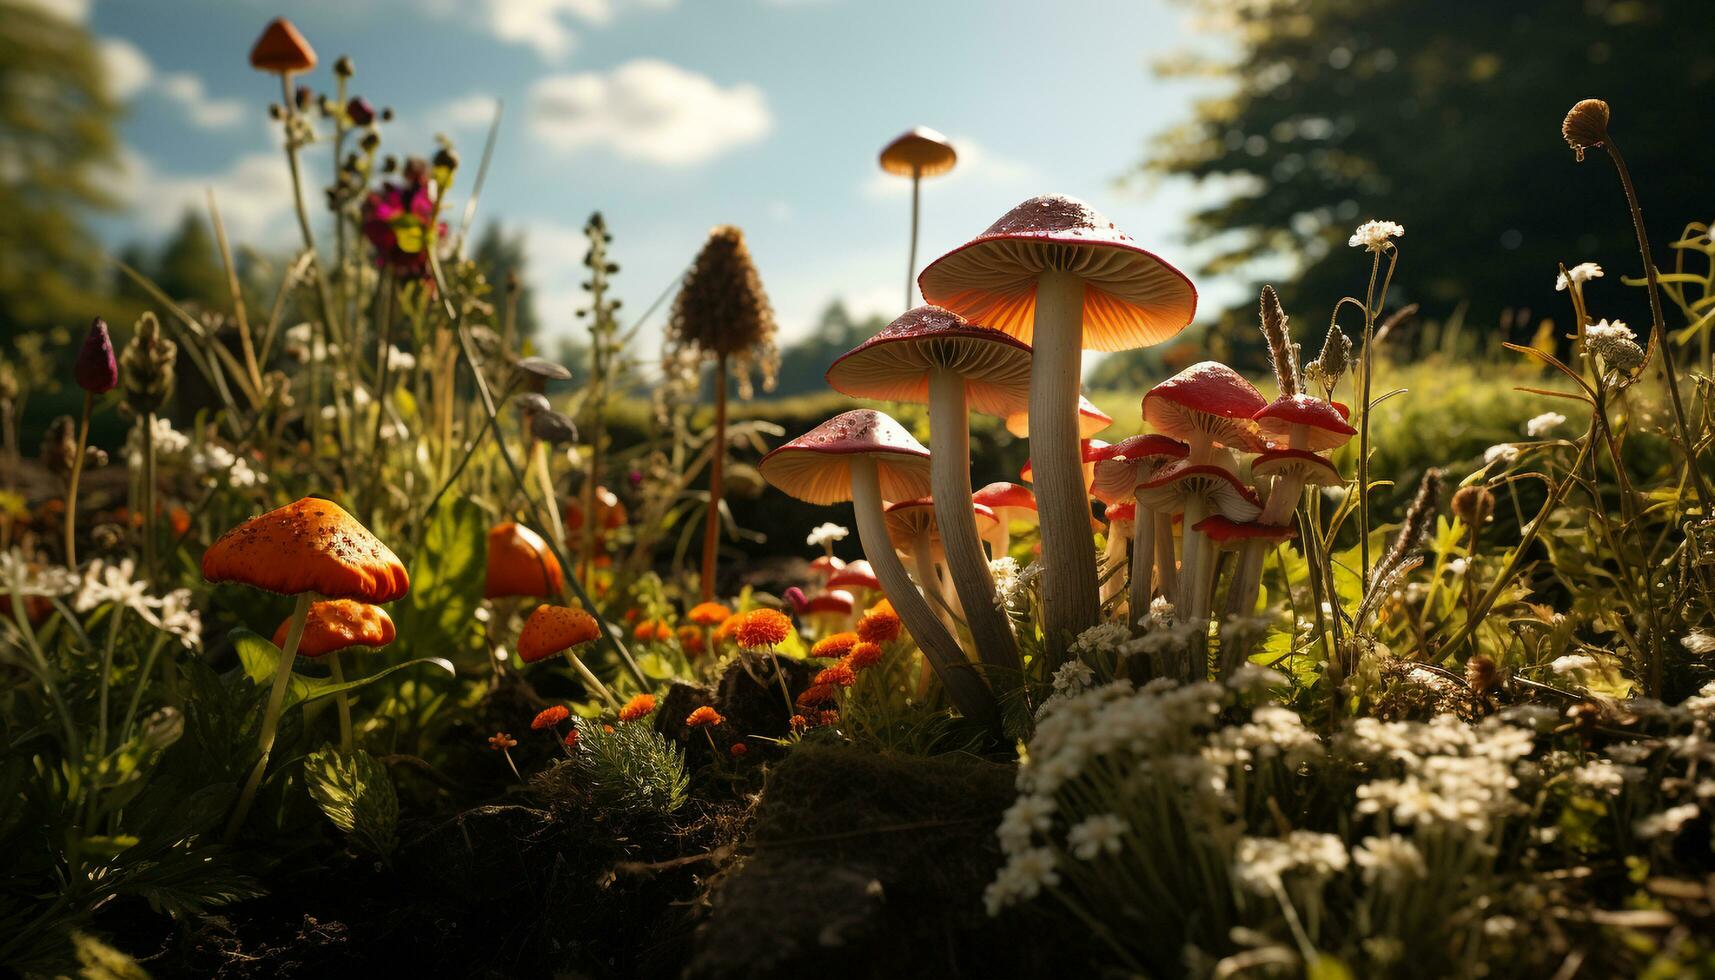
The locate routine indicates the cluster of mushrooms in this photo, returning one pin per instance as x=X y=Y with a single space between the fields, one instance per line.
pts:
x=1011 y=313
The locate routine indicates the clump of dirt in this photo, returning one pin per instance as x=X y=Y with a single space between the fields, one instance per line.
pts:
x=750 y=695
x=866 y=865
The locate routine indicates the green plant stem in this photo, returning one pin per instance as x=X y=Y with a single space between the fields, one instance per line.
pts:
x=71 y=482
x=1659 y=336
x=148 y=495
x=341 y=701
x=711 y=530
x=271 y=715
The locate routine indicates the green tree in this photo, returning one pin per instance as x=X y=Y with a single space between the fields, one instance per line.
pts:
x=501 y=258
x=1444 y=117
x=803 y=363
x=56 y=133
x=189 y=266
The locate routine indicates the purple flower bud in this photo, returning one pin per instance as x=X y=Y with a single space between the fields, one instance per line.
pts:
x=635 y=477
x=360 y=111
x=795 y=596
x=96 y=370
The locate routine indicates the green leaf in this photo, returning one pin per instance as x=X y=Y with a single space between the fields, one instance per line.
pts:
x=655 y=666
x=356 y=792
x=1323 y=967
x=439 y=613
x=262 y=658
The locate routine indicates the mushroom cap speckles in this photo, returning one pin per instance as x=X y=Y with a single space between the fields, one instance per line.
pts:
x=1230 y=533
x=856 y=575
x=1327 y=427
x=1131 y=297
x=895 y=364
x=816 y=466
x=919 y=151
x=1207 y=397
x=520 y=564
x=1091 y=420
x=551 y=629
x=335 y=624
x=310 y=545
x=282 y=49
x=1219 y=488
x=1313 y=469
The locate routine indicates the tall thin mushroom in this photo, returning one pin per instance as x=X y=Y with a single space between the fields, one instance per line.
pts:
x=935 y=356
x=335 y=625
x=1054 y=273
x=917 y=153
x=1132 y=462
x=864 y=456
x=1199 y=489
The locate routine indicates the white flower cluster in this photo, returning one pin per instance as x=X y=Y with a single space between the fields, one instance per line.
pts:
x=107 y=582
x=1578 y=275
x=1391 y=860
x=823 y=535
x=217 y=465
x=1374 y=235
x=1440 y=773
x=303 y=346
x=1615 y=343
x=1262 y=864
x=1074 y=677
x=18 y=577
x=1273 y=731
x=1543 y=424
x=1008 y=581
x=1504 y=454
x=170 y=443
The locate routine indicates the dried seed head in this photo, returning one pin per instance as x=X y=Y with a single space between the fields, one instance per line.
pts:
x=59 y=446
x=1474 y=505
x=1481 y=675
x=1330 y=365
x=722 y=310
x=1280 y=347
x=146 y=366
x=1418 y=518
x=1586 y=126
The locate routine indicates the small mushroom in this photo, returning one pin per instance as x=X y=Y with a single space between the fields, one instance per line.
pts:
x=1198 y=490
x=932 y=356
x=558 y=629
x=1205 y=405
x=1247 y=538
x=520 y=564
x=864 y=456
x=1132 y=462
x=1009 y=502
x=334 y=625
x=855 y=575
x=1057 y=275
x=917 y=153
x=1305 y=422
x=308 y=548
x=1091 y=420
x=281 y=50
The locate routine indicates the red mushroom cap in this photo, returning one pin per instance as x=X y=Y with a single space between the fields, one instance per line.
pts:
x=816 y=466
x=857 y=574
x=335 y=624
x=1326 y=425
x=826 y=565
x=550 y=629
x=519 y=564
x=1313 y=469
x=895 y=364
x=918 y=152
x=1230 y=533
x=309 y=545
x=1003 y=495
x=1125 y=511
x=1131 y=297
x=281 y=49
x=1207 y=397
x=1181 y=481
x=836 y=601
x=906 y=519
x=1089 y=451
x=1091 y=420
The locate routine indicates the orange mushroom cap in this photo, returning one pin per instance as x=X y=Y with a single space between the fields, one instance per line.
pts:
x=310 y=545
x=281 y=49
x=1131 y=297
x=335 y=624
x=919 y=151
x=520 y=564
x=815 y=467
x=1091 y=420
x=551 y=629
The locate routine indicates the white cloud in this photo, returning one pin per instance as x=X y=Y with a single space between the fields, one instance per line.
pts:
x=976 y=164
x=543 y=25
x=254 y=195
x=131 y=74
x=76 y=11
x=648 y=110
x=554 y=267
x=468 y=111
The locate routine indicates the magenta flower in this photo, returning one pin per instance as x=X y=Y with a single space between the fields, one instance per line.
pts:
x=398 y=221
x=96 y=369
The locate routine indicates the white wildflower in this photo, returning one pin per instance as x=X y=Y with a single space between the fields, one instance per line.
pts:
x=1374 y=235
x=1261 y=863
x=399 y=360
x=1667 y=822
x=180 y=618
x=1022 y=878
x=18 y=577
x=1391 y=860
x=105 y=582
x=1103 y=833
x=1699 y=642
x=1504 y=453
x=1543 y=424
x=1604 y=331
x=1574 y=665
x=170 y=443
x=1073 y=677
x=1008 y=581
x=1253 y=678
x=1579 y=274
x=217 y=465
x=826 y=534
x=1615 y=343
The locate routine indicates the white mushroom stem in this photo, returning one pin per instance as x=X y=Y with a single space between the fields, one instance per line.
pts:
x=930 y=583
x=1113 y=557
x=950 y=483
x=1278 y=509
x=1069 y=601
x=1194 y=573
x=1001 y=536
x=965 y=687
x=1143 y=531
x=271 y=714
x=1166 y=562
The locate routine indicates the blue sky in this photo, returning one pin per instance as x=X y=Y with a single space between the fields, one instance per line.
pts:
x=671 y=116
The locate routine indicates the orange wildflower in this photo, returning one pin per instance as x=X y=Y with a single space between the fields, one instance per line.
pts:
x=863 y=656
x=827 y=719
x=839 y=675
x=652 y=629
x=572 y=739
x=691 y=640
x=180 y=519
x=500 y=741
x=549 y=717
x=638 y=707
x=709 y=614
x=799 y=723
x=816 y=694
x=762 y=628
x=879 y=625
x=834 y=646
x=704 y=715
